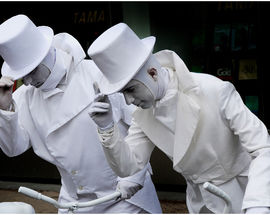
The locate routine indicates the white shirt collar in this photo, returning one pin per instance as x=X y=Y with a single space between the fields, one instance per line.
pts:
x=67 y=62
x=165 y=109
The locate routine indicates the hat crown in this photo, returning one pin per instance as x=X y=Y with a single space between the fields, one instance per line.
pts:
x=11 y=27
x=119 y=53
x=21 y=43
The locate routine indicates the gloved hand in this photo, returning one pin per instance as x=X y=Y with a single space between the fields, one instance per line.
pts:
x=6 y=84
x=127 y=188
x=101 y=110
x=258 y=210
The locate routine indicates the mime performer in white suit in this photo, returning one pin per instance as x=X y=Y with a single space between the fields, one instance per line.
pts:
x=199 y=121
x=50 y=114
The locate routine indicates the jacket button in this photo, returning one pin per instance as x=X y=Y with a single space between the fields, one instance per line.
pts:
x=74 y=172
x=195 y=177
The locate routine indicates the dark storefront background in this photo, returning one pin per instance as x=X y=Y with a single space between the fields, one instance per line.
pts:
x=227 y=39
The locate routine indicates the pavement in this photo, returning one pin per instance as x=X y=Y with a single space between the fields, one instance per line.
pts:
x=171 y=202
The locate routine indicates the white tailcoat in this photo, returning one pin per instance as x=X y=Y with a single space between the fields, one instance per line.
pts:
x=215 y=138
x=56 y=124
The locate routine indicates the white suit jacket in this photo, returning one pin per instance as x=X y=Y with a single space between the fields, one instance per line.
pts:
x=56 y=124
x=216 y=138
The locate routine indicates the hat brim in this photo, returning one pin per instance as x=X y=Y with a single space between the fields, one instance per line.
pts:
x=107 y=88
x=17 y=74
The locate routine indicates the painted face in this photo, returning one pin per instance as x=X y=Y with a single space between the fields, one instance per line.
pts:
x=37 y=77
x=135 y=92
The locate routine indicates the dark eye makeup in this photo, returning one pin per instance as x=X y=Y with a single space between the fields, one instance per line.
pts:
x=129 y=89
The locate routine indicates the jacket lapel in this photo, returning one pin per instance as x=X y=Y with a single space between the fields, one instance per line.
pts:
x=77 y=96
x=159 y=134
x=187 y=120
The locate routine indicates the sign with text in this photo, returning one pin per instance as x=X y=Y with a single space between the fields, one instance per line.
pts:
x=247 y=69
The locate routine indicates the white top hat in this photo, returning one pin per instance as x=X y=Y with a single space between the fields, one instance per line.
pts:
x=119 y=54
x=23 y=45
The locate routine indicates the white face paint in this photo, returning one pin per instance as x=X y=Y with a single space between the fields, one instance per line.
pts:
x=147 y=85
x=37 y=77
x=135 y=92
x=40 y=74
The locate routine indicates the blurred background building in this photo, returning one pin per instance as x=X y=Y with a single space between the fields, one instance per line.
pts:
x=229 y=40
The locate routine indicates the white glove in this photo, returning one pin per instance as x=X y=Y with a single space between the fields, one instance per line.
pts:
x=258 y=210
x=127 y=188
x=101 y=110
x=6 y=84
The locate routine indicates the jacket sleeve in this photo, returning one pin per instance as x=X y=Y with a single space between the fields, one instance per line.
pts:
x=125 y=116
x=138 y=177
x=130 y=155
x=14 y=140
x=254 y=137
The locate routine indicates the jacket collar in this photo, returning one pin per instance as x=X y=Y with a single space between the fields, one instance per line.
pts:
x=173 y=144
x=171 y=60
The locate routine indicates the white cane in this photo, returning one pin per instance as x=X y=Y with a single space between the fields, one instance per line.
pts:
x=220 y=193
x=71 y=206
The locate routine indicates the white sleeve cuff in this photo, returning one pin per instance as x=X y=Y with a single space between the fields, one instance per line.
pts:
x=105 y=136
